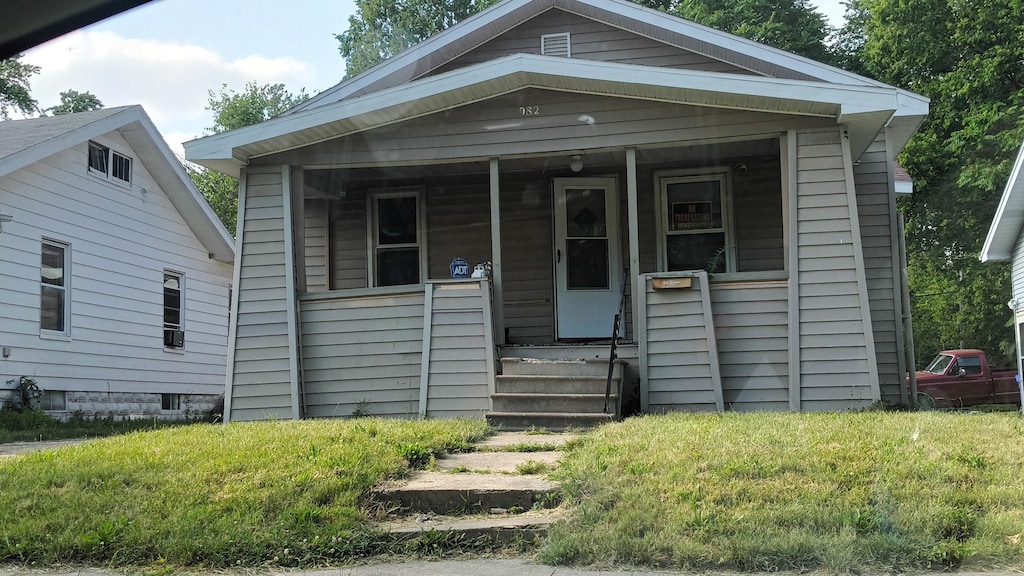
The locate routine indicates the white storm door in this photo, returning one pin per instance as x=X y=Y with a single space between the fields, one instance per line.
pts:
x=588 y=265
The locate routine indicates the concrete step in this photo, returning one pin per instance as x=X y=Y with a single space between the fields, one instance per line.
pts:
x=506 y=462
x=445 y=493
x=541 y=384
x=571 y=403
x=624 y=350
x=571 y=368
x=553 y=421
x=509 y=440
x=496 y=528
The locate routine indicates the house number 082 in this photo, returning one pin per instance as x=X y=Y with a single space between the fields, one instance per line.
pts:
x=529 y=110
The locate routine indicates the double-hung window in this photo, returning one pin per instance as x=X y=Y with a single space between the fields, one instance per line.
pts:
x=174 y=308
x=696 y=222
x=109 y=164
x=54 y=289
x=396 y=242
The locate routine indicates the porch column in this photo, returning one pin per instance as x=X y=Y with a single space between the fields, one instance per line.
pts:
x=634 y=242
x=499 y=299
x=291 y=294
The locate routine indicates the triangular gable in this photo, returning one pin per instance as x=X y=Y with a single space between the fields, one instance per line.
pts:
x=443 y=48
x=24 y=142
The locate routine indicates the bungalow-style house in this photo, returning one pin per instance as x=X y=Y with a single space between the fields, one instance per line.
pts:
x=742 y=197
x=114 y=271
x=1005 y=243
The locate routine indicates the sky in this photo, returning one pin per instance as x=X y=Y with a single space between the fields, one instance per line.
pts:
x=167 y=55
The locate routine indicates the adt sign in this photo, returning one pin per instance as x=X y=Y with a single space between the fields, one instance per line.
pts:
x=459 y=268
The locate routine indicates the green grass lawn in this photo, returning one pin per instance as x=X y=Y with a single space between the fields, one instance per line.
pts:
x=35 y=425
x=287 y=493
x=839 y=493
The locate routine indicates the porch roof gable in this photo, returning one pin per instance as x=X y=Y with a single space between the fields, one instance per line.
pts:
x=1009 y=218
x=864 y=109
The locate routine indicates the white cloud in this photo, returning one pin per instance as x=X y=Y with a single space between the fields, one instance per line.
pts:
x=170 y=80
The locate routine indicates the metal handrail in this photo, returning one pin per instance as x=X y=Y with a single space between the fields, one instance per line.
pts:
x=615 y=339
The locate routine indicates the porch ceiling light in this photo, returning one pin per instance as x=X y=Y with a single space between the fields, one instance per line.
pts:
x=4 y=218
x=576 y=162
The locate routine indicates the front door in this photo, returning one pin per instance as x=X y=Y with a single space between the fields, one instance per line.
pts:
x=588 y=266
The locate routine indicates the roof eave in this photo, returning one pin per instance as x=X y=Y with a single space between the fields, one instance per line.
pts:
x=1009 y=218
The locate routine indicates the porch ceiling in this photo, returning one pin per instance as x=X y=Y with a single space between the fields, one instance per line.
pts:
x=864 y=109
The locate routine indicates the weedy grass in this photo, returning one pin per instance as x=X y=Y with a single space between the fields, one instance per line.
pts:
x=838 y=493
x=284 y=493
x=35 y=425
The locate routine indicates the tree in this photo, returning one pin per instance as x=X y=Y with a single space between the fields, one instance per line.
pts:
x=15 y=87
x=967 y=57
x=73 y=101
x=380 y=28
x=233 y=110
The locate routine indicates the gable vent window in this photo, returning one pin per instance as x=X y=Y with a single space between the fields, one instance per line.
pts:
x=106 y=163
x=555 y=45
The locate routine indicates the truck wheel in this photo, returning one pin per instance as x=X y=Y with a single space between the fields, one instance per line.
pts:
x=925 y=402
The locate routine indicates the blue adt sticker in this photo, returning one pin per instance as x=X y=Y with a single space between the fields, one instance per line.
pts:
x=459 y=268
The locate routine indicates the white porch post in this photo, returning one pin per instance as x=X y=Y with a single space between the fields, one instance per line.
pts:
x=634 y=241
x=291 y=295
x=499 y=300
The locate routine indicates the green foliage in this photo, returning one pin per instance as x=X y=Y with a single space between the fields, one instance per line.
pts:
x=268 y=493
x=969 y=59
x=843 y=493
x=791 y=25
x=15 y=87
x=33 y=425
x=231 y=110
x=73 y=101
x=382 y=28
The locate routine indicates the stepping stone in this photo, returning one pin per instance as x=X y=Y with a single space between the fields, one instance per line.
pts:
x=444 y=493
x=498 y=529
x=503 y=440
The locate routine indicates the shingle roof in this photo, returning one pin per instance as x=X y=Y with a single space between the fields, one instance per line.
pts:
x=20 y=135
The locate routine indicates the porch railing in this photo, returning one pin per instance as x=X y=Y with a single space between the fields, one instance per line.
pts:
x=615 y=340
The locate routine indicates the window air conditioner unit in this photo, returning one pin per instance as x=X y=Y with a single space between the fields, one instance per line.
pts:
x=174 y=338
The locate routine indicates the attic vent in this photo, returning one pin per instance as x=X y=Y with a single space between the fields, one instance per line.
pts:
x=555 y=45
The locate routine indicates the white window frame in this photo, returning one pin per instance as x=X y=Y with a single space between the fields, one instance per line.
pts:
x=371 y=230
x=110 y=157
x=181 y=308
x=721 y=174
x=66 y=288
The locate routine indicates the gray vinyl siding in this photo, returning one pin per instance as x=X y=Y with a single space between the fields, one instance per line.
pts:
x=121 y=240
x=589 y=40
x=833 y=339
x=261 y=383
x=362 y=354
x=680 y=376
x=460 y=380
x=315 y=233
x=494 y=128
x=527 y=244
x=871 y=177
x=751 y=329
x=458 y=223
x=349 y=252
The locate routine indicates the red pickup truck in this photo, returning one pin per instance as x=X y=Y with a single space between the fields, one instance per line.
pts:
x=958 y=378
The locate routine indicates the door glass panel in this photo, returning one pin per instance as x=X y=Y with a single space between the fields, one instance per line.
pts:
x=584 y=214
x=696 y=252
x=586 y=263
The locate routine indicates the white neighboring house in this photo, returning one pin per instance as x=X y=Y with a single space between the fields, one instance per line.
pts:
x=115 y=273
